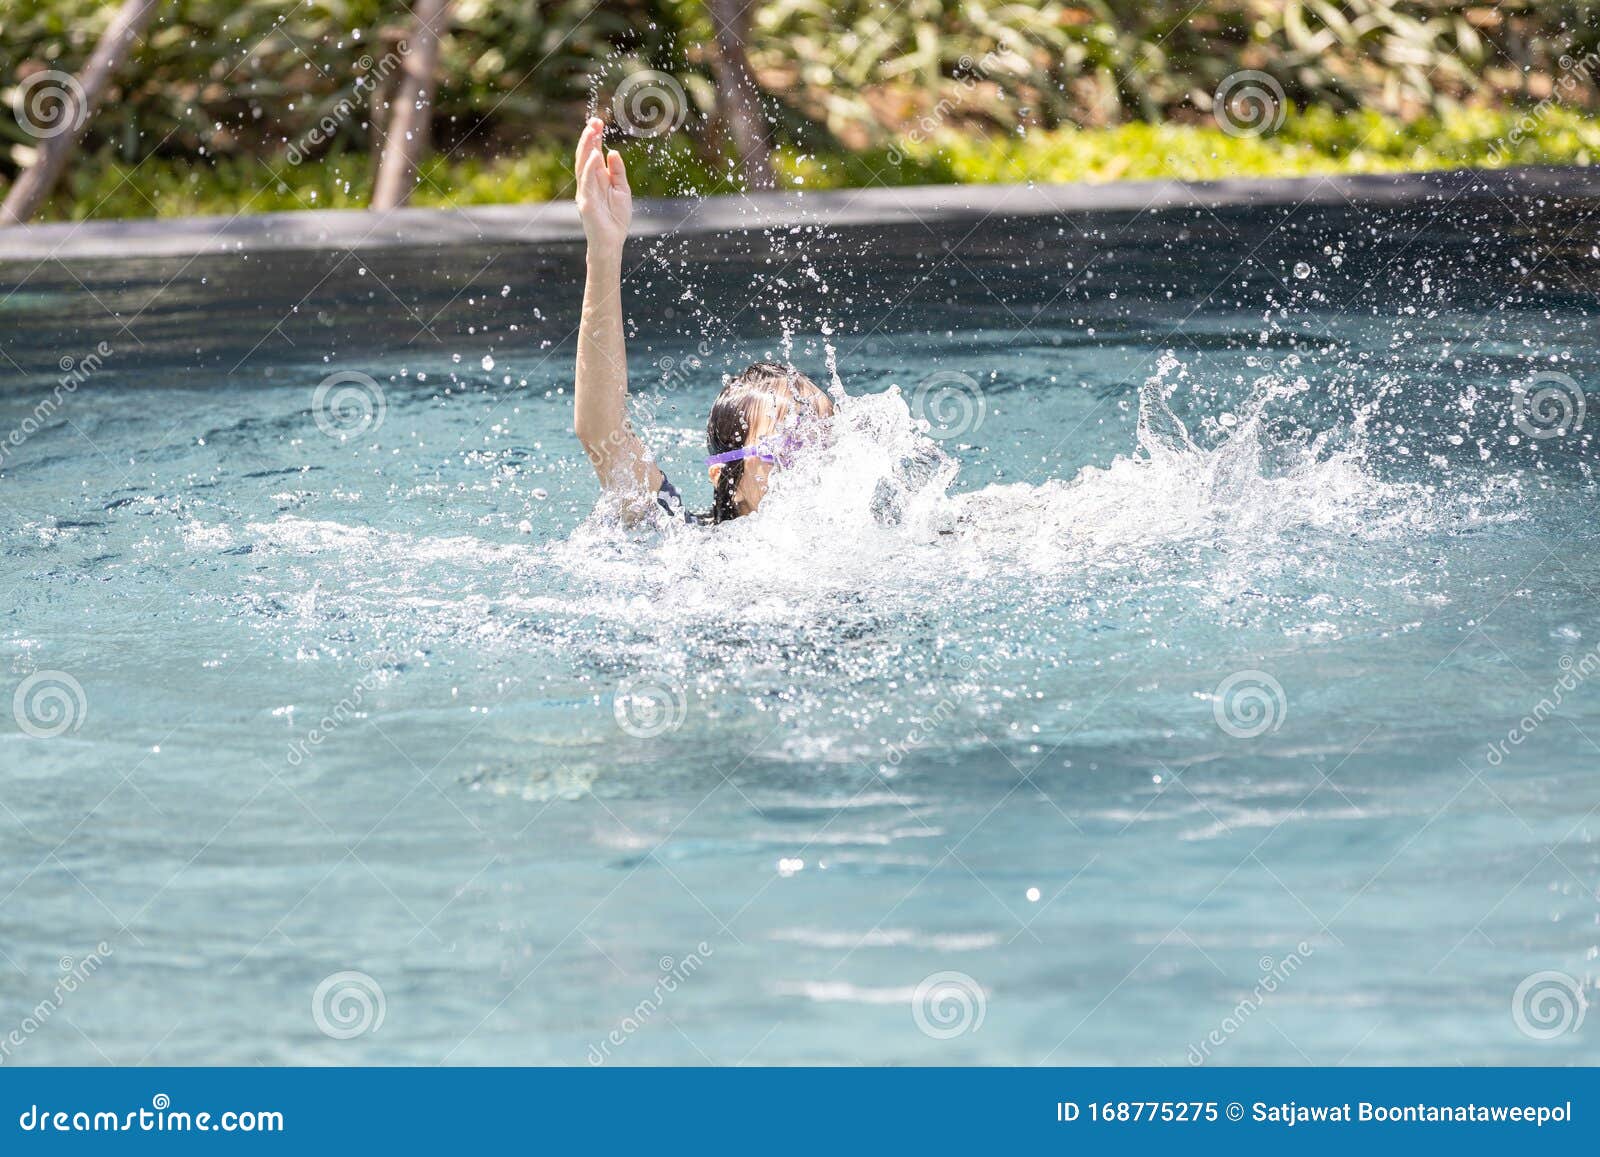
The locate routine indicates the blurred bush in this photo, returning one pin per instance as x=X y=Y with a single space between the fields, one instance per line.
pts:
x=217 y=77
x=226 y=92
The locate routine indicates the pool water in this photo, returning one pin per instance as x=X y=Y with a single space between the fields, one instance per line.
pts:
x=1183 y=653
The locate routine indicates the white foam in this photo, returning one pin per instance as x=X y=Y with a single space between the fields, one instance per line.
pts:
x=865 y=537
x=872 y=515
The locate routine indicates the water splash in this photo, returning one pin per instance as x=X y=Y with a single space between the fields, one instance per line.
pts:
x=870 y=579
x=1244 y=491
x=878 y=501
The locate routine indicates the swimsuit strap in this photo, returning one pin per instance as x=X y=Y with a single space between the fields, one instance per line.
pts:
x=672 y=502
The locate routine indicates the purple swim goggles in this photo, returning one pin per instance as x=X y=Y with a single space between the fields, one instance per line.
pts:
x=778 y=449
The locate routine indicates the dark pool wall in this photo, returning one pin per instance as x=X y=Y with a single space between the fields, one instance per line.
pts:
x=1190 y=275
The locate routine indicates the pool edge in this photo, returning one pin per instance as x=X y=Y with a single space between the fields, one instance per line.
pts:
x=355 y=229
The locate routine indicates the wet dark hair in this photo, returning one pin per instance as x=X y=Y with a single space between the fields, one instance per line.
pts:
x=734 y=413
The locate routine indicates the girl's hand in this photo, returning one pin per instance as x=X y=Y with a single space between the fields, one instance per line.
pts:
x=604 y=200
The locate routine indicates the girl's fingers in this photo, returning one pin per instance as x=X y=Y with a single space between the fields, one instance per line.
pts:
x=591 y=178
x=617 y=170
x=588 y=142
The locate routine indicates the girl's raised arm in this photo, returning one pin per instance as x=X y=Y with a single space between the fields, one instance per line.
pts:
x=600 y=387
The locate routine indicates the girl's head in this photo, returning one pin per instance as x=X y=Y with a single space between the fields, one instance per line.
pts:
x=764 y=411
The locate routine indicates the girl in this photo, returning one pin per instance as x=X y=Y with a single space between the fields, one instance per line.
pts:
x=761 y=418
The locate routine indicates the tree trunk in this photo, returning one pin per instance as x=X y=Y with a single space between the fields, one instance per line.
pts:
x=738 y=98
x=411 y=116
x=77 y=97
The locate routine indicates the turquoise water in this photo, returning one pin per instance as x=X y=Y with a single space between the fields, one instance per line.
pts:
x=1154 y=703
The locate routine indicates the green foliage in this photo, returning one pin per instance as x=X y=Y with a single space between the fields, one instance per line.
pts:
x=247 y=105
x=1317 y=141
x=217 y=78
x=1102 y=61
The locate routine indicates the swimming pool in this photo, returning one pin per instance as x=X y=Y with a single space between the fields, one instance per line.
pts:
x=1210 y=680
